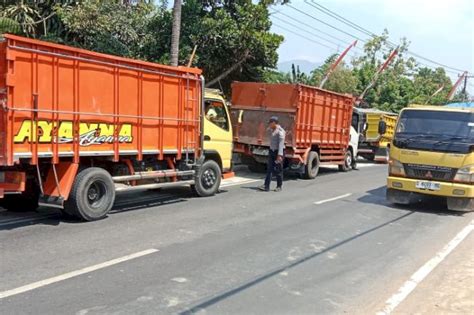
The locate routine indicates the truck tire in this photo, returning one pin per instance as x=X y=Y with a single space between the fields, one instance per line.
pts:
x=92 y=195
x=208 y=179
x=311 y=168
x=369 y=157
x=257 y=167
x=348 y=162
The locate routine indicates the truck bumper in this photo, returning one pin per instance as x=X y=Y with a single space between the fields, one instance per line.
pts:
x=12 y=182
x=403 y=191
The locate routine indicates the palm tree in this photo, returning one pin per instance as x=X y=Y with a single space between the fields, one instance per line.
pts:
x=175 y=32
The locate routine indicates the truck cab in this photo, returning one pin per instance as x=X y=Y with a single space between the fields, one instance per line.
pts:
x=432 y=154
x=373 y=145
x=217 y=129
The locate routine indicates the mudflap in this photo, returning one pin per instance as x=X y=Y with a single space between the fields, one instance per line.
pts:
x=401 y=197
x=381 y=155
x=51 y=201
x=461 y=204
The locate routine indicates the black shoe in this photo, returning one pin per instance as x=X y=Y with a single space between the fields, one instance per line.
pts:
x=263 y=188
x=278 y=189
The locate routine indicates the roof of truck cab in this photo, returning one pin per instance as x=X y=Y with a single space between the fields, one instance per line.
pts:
x=213 y=94
x=373 y=111
x=439 y=108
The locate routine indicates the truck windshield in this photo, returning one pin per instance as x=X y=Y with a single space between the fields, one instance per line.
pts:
x=456 y=126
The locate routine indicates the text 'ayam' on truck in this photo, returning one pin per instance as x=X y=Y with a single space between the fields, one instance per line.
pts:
x=78 y=126
x=432 y=154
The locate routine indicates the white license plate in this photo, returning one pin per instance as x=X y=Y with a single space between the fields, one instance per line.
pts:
x=428 y=185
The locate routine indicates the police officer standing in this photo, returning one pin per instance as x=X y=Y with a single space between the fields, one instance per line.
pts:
x=275 y=155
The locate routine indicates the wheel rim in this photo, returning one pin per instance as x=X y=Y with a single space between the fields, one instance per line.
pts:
x=208 y=178
x=96 y=194
x=348 y=159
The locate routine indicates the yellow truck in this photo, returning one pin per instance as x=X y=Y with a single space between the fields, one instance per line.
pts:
x=217 y=129
x=432 y=154
x=373 y=145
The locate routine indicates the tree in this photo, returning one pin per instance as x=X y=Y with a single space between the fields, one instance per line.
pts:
x=112 y=27
x=233 y=39
x=175 y=32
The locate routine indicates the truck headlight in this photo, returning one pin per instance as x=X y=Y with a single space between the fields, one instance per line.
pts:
x=465 y=174
x=395 y=168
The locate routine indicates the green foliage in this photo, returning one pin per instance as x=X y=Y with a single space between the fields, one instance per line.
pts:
x=8 y=25
x=233 y=41
x=112 y=27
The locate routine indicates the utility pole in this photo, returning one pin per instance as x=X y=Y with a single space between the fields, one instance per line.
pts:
x=175 y=32
x=334 y=65
x=455 y=86
x=377 y=74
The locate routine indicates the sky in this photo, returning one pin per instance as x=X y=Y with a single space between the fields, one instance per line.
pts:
x=440 y=30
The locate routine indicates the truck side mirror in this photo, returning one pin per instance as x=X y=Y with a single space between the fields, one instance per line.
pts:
x=382 y=127
x=365 y=126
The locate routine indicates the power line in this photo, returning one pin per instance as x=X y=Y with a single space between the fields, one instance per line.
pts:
x=367 y=32
x=312 y=27
x=308 y=39
x=309 y=32
x=327 y=24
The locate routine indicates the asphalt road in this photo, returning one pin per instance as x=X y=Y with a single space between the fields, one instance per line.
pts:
x=330 y=245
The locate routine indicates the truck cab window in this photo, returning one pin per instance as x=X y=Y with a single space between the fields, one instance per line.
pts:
x=215 y=112
x=355 y=121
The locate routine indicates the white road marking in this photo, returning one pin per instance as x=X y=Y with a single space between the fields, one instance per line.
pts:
x=424 y=271
x=332 y=199
x=45 y=282
x=240 y=181
x=180 y=280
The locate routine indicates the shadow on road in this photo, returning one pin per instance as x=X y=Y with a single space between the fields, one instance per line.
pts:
x=233 y=291
x=124 y=203
x=426 y=204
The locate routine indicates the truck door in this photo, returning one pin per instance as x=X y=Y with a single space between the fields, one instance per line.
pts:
x=218 y=131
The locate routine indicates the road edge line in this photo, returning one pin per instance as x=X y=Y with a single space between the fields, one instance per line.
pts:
x=332 y=199
x=395 y=300
x=72 y=274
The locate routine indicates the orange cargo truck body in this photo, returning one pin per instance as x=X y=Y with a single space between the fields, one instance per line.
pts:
x=59 y=101
x=315 y=120
x=63 y=107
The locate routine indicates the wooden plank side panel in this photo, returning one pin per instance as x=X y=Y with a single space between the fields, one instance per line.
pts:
x=88 y=105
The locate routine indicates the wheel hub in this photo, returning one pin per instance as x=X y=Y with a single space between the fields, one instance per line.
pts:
x=208 y=178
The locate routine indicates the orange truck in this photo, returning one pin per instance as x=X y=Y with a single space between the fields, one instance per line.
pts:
x=77 y=126
x=317 y=124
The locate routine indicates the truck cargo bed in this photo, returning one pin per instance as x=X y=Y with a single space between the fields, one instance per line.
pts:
x=60 y=101
x=312 y=117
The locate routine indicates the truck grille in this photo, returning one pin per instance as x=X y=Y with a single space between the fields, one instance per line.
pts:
x=420 y=171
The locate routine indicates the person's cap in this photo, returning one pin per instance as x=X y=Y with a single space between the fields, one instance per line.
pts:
x=273 y=119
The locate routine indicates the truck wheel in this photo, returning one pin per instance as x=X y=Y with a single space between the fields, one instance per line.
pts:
x=208 y=179
x=257 y=167
x=398 y=197
x=311 y=169
x=369 y=157
x=348 y=162
x=92 y=195
x=460 y=204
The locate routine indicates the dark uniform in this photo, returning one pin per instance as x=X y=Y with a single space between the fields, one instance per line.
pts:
x=277 y=146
